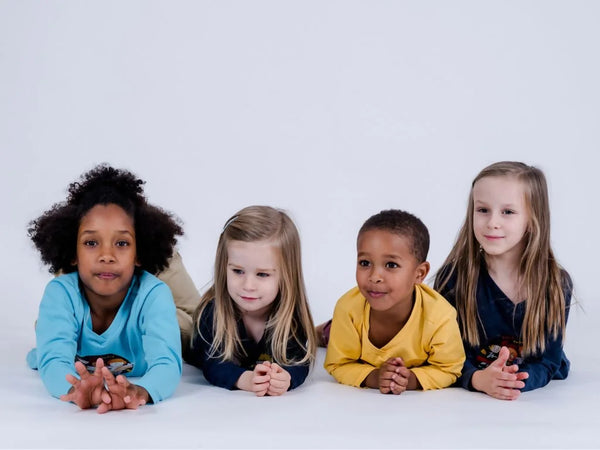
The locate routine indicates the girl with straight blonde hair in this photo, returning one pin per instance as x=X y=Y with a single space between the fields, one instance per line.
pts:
x=511 y=296
x=253 y=327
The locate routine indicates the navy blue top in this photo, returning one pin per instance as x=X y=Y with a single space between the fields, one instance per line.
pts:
x=500 y=325
x=226 y=373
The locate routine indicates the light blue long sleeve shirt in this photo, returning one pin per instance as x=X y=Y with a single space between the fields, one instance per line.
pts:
x=142 y=340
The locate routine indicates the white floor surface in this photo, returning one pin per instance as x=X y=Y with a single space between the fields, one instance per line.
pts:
x=319 y=414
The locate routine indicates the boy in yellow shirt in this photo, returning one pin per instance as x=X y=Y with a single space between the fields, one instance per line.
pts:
x=392 y=332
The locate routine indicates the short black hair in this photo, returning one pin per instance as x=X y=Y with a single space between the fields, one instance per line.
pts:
x=54 y=233
x=403 y=224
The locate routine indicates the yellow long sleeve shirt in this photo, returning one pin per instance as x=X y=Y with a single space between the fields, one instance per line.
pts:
x=429 y=343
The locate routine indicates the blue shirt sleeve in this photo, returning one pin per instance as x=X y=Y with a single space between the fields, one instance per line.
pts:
x=57 y=330
x=161 y=343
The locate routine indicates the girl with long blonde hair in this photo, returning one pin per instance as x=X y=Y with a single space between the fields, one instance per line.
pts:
x=253 y=327
x=511 y=296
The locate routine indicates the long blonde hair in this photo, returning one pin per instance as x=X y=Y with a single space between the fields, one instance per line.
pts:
x=540 y=275
x=290 y=317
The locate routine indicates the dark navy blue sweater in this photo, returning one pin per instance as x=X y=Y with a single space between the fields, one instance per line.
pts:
x=226 y=373
x=500 y=325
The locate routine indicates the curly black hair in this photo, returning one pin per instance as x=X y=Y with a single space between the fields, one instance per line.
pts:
x=54 y=233
x=404 y=224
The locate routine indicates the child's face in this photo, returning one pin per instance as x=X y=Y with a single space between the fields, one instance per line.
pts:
x=387 y=270
x=253 y=276
x=500 y=216
x=106 y=254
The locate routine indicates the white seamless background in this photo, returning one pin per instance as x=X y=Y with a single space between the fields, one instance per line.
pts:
x=331 y=110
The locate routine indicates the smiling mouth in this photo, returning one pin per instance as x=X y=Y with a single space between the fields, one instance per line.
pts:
x=493 y=238
x=249 y=299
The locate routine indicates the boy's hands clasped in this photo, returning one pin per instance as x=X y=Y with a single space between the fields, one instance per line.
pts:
x=101 y=389
x=393 y=377
x=266 y=379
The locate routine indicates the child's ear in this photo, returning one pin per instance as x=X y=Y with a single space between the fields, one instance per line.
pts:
x=421 y=272
x=137 y=262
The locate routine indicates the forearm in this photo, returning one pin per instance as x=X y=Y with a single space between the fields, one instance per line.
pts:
x=161 y=380
x=57 y=334
x=53 y=376
x=435 y=377
x=224 y=374
x=468 y=370
x=352 y=373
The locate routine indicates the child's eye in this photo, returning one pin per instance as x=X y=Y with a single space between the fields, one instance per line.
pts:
x=482 y=210
x=364 y=263
x=122 y=243
x=391 y=265
x=508 y=211
x=90 y=243
x=262 y=274
x=238 y=271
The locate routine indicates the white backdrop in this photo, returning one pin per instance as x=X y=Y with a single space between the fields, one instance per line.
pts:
x=332 y=110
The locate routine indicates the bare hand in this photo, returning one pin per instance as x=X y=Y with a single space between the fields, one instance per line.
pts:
x=120 y=393
x=389 y=375
x=395 y=377
x=499 y=380
x=259 y=379
x=280 y=380
x=86 y=391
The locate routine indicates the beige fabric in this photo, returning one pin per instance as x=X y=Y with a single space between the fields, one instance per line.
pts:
x=185 y=295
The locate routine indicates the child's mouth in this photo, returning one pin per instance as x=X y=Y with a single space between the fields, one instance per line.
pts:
x=106 y=276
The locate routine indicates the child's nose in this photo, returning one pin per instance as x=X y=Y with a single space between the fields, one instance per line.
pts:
x=375 y=275
x=493 y=221
x=106 y=254
x=249 y=283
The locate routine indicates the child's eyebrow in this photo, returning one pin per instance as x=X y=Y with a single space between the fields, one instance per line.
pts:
x=503 y=205
x=117 y=231
x=392 y=256
x=257 y=269
x=387 y=255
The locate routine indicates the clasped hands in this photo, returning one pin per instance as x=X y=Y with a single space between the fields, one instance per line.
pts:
x=395 y=378
x=500 y=380
x=267 y=378
x=102 y=390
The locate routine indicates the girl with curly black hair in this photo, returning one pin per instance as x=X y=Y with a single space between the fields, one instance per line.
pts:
x=106 y=316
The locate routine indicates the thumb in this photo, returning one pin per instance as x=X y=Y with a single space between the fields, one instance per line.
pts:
x=502 y=358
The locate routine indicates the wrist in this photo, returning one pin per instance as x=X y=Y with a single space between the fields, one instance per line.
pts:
x=474 y=382
x=244 y=382
x=372 y=380
x=143 y=394
x=413 y=382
